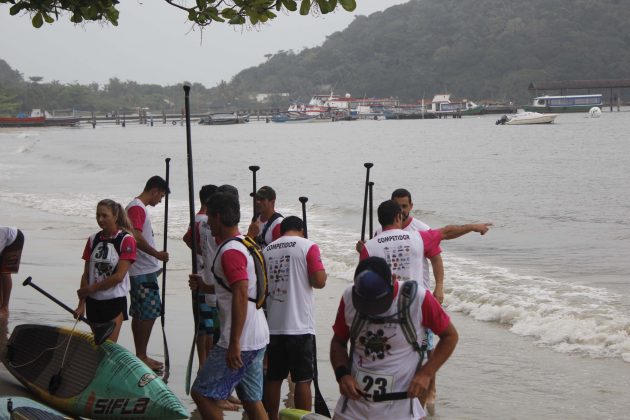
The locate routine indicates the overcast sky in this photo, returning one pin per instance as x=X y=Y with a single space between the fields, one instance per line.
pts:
x=154 y=43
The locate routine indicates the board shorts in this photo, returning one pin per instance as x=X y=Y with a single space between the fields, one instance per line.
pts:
x=216 y=381
x=12 y=254
x=145 y=297
x=207 y=316
x=290 y=354
x=102 y=311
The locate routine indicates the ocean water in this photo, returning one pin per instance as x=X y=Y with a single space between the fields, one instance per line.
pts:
x=541 y=302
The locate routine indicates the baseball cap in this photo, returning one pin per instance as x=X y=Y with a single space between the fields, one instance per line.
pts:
x=266 y=193
x=373 y=291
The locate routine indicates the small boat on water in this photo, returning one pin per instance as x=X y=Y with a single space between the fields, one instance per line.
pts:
x=568 y=103
x=524 y=118
x=224 y=119
x=294 y=118
x=39 y=118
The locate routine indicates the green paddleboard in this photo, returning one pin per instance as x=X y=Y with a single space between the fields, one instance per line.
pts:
x=105 y=381
x=14 y=407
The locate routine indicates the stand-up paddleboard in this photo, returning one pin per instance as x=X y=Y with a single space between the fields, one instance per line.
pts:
x=296 y=414
x=105 y=381
x=14 y=407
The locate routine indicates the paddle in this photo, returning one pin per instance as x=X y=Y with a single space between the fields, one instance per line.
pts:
x=367 y=165
x=371 y=184
x=167 y=363
x=254 y=168
x=320 y=404
x=193 y=245
x=101 y=331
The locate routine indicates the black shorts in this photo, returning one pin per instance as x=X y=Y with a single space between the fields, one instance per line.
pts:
x=12 y=254
x=290 y=353
x=101 y=311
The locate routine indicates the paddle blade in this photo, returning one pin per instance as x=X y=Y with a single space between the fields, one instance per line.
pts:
x=102 y=331
x=320 y=405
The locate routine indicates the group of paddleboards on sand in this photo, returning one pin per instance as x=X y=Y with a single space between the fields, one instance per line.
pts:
x=383 y=352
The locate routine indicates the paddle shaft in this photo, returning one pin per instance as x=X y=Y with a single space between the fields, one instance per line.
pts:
x=167 y=363
x=29 y=282
x=367 y=165
x=371 y=184
x=303 y=200
x=193 y=245
x=254 y=168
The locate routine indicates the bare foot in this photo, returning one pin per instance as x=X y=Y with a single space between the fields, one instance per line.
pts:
x=234 y=400
x=228 y=406
x=152 y=364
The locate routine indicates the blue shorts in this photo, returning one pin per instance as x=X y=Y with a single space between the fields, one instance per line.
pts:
x=145 y=297
x=216 y=381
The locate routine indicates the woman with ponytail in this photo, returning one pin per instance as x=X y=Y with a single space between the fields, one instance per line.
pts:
x=108 y=255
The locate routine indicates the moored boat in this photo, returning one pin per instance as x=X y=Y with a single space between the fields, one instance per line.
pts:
x=524 y=118
x=223 y=118
x=39 y=118
x=567 y=103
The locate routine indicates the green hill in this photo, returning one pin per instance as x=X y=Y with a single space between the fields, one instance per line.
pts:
x=478 y=49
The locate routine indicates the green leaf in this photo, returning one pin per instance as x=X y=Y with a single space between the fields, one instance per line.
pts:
x=14 y=10
x=201 y=4
x=48 y=18
x=348 y=5
x=192 y=15
x=291 y=5
x=332 y=4
x=323 y=6
x=37 y=20
x=305 y=7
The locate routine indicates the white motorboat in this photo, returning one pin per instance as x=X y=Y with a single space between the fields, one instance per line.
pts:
x=526 y=118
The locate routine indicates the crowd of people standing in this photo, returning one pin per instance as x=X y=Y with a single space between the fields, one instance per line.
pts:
x=386 y=315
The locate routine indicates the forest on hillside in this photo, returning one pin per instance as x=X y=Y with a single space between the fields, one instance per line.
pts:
x=475 y=49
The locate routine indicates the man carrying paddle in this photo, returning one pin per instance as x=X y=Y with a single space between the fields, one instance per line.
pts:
x=146 y=304
x=236 y=361
x=205 y=249
x=385 y=320
x=294 y=268
x=266 y=225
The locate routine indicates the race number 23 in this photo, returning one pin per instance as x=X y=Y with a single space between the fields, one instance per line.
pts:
x=374 y=383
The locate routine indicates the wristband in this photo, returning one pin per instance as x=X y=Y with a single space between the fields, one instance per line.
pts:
x=340 y=372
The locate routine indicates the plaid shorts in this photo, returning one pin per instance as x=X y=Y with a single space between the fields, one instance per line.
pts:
x=207 y=316
x=145 y=297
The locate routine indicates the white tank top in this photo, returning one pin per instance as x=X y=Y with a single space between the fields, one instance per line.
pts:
x=145 y=263
x=384 y=362
x=414 y=226
x=255 y=333
x=208 y=250
x=104 y=259
x=290 y=300
x=403 y=251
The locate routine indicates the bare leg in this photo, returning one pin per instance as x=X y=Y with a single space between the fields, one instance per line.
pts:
x=208 y=408
x=303 y=397
x=114 y=335
x=271 y=398
x=255 y=410
x=5 y=293
x=202 y=349
x=141 y=329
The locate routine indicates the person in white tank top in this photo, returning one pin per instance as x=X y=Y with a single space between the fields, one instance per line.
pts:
x=294 y=268
x=383 y=363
